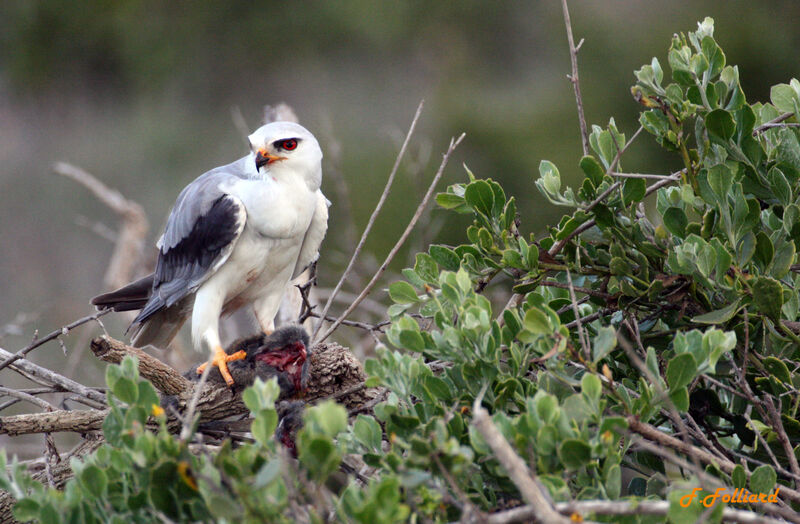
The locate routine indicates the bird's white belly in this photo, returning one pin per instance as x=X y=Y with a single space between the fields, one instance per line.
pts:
x=257 y=270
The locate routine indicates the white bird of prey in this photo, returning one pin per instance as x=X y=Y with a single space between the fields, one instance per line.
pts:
x=236 y=236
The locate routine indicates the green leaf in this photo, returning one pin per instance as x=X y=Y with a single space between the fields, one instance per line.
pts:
x=574 y=453
x=438 y=388
x=783 y=97
x=763 y=479
x=592 y=169
x=675 y=221
x=768 y=297
x=738 y=477
x=26 y=510
x=780 y=186
x=778 y=368
x=719 y=316
x=445 y=257
x=479 y=195
x=403 y=293
x=126 y=390
x=633 y=190
x=720 y=124
x=720 y=179
x=603 y=343
x=94 y=479
x=426 y=268
x=451 y=201
x=680 y=398
x=614 y=481
x=368 y=432
x=591 y=386
x=537 y=322
x=681 y=370
x=411 y=340
x=263 y=425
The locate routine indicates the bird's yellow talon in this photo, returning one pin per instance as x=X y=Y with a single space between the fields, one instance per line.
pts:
x=221 y=360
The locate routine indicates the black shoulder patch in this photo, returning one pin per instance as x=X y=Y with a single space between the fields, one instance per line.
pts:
x=180 y=268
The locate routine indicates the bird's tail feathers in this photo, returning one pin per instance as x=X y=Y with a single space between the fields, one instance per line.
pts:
x=158 y=330
x=127 y=298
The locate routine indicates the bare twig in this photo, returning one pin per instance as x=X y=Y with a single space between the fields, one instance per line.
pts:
x=651 y=433
x=773 y=122
x=130 y=242
x=54 y=378
x=558 y=246
x=368 y=228
x=523 y=478
x=573 y=55
x=50 y=336
x=21 y=395
x=620 y=508
x=777 y=425
x=581 y=332
x=420 y=208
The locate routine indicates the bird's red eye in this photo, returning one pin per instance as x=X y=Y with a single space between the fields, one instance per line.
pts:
x=289 y=144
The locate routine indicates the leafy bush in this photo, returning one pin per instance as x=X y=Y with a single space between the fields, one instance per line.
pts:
x=618 y=330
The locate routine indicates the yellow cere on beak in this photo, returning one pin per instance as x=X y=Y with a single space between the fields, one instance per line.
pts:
x=263 y=158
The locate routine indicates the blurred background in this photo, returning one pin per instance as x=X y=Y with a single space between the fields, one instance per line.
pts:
x=146 y=96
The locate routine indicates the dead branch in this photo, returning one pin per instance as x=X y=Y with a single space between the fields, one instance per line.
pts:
x=523 y=478
x=130 y=241
x=333 y=369
x=25 y=366
x=454 y=142
x=165 y=378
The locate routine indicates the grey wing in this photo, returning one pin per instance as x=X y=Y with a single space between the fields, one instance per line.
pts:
x=309 y=251
x=201 y=232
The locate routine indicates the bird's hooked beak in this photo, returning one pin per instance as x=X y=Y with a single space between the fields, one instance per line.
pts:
x=263 y=158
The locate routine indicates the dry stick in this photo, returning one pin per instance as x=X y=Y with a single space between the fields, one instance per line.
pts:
x=573 y=55
x=773 y=122
x=523 y=478
x=558 y=246
x=54 y=378
x=777 y=425
x=581 y=332
x=370 y=223
x=668 y=454
x=50 y=336
x=652 y=433
x=620 y=509
x=453 y=144
x=128 y=249
x=21 y=395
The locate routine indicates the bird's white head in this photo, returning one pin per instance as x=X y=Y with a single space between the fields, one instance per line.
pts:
x=286 y=149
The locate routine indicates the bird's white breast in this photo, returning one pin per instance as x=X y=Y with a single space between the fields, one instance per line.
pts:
x=262 y=261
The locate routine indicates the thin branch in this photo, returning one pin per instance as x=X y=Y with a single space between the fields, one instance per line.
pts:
x=50 y=336
x=130 y=242
x=54 y=378
x=573 y=55
x=578 y=289
x=777 y=425
x=558 y=246
x=581 y=332
x=453 y=144
x=21 y=395
x=651 y=433
x=639 y=175
x=771 y=123
x=620 y=508
x=525 y=480
x=370 y=223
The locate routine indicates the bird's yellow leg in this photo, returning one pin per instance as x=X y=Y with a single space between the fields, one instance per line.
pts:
x=221 y=359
